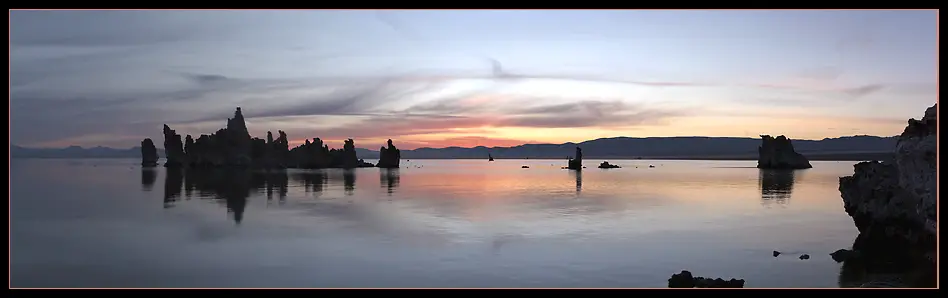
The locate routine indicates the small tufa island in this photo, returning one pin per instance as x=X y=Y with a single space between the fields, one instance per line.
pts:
x=607 y=165
x=576 y=163
x=389 y=157
x=778 y=153
x=149 y=154
x=234 y=147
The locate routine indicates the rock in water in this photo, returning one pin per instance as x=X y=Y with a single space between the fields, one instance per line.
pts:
x=894 y=204
x=576 y=163
x=607 y=165
x=149 y=153
x=174 y=150
x=686 y=280
x=778 y=153
x=841 y=255
x=805 y=257
x=390 y=157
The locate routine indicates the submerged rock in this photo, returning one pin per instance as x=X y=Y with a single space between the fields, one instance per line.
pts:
x=778 y=153
x=897 y=201
x=149 y=153
x=686 y=280
x=804 y=257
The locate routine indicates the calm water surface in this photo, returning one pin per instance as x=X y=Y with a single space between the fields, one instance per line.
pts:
x=432 y=223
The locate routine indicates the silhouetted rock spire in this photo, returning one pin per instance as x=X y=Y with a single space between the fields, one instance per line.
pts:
x=576 y=163
x=174 y=150
x=389 y=157
x=149 y=153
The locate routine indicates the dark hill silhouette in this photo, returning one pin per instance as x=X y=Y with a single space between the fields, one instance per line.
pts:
x=78 y=152
x=842 y=148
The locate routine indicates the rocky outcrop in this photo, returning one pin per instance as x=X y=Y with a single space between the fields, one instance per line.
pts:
x=893 y=205
x=149 y=153
x=311 y=155
x=607 y=165
x=576 y=163
x=233 y=146
x=686 y=280
x=174 y=150
x=390 y=157
x=778 y=153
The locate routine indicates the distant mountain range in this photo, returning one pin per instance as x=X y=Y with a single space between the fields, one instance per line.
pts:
x=78 y=152
x=842 y=148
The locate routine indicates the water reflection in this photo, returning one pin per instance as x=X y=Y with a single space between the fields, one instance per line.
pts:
x=349 y=179
x=313 y=181
x=174 y=181
x=149 y=176
x=231 y=187
x=886 y=264
x=578 y=175
x=389 y=179
x=776 y=186
x=279 y=183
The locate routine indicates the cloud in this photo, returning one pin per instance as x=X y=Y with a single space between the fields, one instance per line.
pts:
x=86 y=75
x=96 y=28
x=864 y=90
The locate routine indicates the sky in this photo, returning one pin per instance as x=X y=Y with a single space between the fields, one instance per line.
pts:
x=467 y=78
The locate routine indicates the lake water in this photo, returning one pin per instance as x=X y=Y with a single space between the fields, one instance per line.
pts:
x=432 y=223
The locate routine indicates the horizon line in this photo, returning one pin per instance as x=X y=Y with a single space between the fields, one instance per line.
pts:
x=564 y=143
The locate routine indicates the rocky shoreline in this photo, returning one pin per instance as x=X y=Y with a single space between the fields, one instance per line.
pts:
x=893 y=204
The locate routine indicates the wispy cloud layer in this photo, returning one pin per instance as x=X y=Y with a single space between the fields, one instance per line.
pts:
x=433 y=78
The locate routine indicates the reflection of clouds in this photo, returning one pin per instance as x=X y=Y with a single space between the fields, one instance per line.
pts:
x=776 y=186
x=379 y=218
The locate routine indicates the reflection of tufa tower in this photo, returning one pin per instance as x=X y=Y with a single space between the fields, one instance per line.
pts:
x=776 y=186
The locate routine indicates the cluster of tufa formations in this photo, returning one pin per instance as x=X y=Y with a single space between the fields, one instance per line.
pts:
x=894 y=204
x=778 y=153
x=234 y=147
